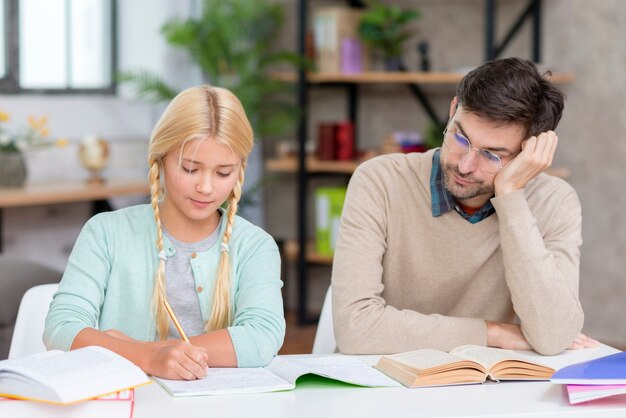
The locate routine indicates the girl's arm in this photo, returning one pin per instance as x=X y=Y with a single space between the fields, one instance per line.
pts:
x=170 y=359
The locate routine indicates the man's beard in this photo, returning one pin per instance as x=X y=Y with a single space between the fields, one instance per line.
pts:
x=464 y=192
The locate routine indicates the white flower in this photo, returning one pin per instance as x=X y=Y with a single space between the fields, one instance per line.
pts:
x=5 y=139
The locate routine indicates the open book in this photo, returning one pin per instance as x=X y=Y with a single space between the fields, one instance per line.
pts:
x=280 y=374
x=463 y=365
x=64 y=377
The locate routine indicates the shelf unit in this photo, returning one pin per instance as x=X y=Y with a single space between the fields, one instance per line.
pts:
x=304 y=166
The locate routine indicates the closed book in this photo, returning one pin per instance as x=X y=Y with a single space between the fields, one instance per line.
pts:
x=607 y=370
x=586 y=393
x=117 y=405
x=325 y=149
x=328 y=205
x=344 y=141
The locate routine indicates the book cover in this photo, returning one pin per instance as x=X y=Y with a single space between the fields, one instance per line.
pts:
x=607 y=370
x=328 y=204
x=585 y=393
x=117 y=405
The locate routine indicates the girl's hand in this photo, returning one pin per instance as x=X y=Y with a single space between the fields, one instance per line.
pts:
x=175 y=359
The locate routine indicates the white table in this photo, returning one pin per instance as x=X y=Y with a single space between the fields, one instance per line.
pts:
x=315 y=400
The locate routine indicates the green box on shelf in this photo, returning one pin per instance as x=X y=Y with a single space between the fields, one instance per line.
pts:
x=328 y=205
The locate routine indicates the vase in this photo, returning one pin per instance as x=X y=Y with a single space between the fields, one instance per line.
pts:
x=12 y=169
x=393 y=63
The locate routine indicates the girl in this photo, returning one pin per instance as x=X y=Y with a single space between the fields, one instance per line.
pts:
x=219 y=273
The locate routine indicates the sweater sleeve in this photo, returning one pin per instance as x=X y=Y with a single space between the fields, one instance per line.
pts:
x=364 y=323
x=542 y=268
x=76 y=305
x=258 y=328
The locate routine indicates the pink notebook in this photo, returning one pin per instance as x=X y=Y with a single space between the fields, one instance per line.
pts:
x=585 y=393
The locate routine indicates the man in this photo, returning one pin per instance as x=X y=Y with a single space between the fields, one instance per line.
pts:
x=471 y=243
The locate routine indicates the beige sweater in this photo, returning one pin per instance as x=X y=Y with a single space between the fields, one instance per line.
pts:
x=403 y=279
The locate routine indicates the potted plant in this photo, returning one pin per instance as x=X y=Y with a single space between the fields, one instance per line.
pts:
x=384 y=28
x=13 y=169
x=231 y=41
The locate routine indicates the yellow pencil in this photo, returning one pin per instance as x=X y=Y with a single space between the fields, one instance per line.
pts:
x=175 y=321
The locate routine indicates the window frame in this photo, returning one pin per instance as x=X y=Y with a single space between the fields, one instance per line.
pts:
x=10 y=84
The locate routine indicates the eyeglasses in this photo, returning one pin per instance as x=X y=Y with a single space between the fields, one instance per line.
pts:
x=458 y=144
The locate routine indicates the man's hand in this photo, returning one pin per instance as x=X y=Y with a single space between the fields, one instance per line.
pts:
x=582 y=341
x=536 y=156
x=508 y=336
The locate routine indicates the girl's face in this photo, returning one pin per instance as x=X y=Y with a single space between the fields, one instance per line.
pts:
x=198 y=180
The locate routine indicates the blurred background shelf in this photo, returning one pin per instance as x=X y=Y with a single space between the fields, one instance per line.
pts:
x=382 y=77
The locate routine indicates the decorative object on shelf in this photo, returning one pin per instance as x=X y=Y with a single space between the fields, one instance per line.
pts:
x=384 y=28
x=351 y=56
x=338 y=48
x=93 y=153
x=335 y=141
x=423 y=49
x=409 y=141
x=12 y=169
x=35 y=134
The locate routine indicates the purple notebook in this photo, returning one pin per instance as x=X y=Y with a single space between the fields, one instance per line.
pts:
x=608 y=370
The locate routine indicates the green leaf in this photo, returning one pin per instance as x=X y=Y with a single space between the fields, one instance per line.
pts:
x=147 y=86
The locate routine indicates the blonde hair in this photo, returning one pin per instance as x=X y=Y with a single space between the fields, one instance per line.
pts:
x=202 y=112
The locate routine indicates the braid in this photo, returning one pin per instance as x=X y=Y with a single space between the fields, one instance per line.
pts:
x=159 y=280
x=221 y=315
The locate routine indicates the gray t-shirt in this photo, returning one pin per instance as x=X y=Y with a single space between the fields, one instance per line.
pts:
x=180 y=286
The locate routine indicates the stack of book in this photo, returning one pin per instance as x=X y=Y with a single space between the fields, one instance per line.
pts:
x=594 y=379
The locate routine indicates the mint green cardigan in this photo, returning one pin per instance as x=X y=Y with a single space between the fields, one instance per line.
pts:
x=109 y=280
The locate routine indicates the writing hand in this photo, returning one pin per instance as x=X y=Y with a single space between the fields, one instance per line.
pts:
x=175 y=359
x=536 y=156
x=582 y=341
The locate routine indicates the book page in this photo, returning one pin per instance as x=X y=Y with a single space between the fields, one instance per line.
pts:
x=338 y=367
x=224 y=381
x=487 y=356
x=426 y=358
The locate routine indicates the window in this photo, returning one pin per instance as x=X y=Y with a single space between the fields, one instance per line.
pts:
x=62 y=46
x=3 y=48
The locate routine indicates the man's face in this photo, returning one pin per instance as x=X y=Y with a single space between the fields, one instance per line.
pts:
x=469 y=177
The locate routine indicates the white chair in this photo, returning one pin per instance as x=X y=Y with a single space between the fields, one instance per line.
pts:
x=31 y=317
x=325 y=342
